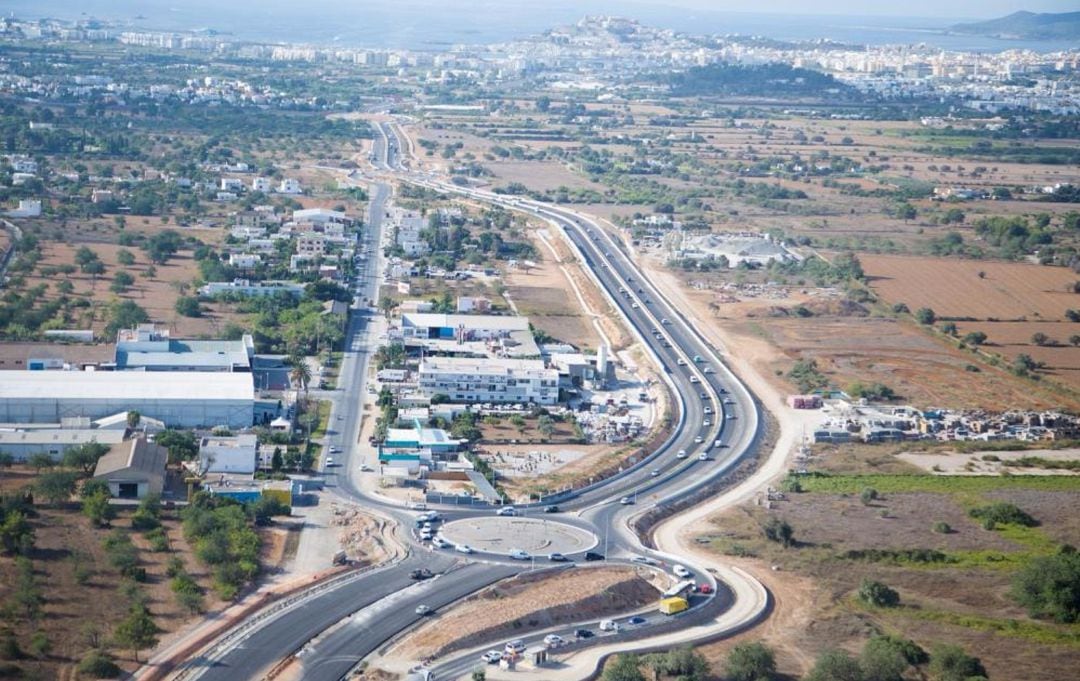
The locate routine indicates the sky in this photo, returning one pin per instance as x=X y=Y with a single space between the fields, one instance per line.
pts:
x=917 y=8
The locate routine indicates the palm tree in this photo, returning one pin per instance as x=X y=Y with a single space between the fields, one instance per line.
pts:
x=300 y=375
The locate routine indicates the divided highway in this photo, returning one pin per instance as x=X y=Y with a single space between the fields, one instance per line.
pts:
x=717 y=424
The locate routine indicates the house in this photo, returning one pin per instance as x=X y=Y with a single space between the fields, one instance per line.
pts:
x=244 y=261
x=289 y=186
x=133 y=469
x=236 y=454
x=473 y=304
x=232 y=184
x=261 y=184
x=28 y=208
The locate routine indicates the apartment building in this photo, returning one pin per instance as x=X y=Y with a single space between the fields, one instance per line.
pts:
x=465 y=379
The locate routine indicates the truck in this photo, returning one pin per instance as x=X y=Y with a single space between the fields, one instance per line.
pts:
x=671 y=606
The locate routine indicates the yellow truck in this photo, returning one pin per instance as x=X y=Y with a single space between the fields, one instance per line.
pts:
x=670 y=606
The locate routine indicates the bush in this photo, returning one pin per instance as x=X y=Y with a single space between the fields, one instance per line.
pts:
x=868 y=495
x=878 y=594
x=159 y=541
x=188 y=306
x=1050 y=586
x=1002 y=513
x=750 y=662
x=942 y=527
x=779 y=531
x=951 y=663
x=835 y=665
x=99 y=665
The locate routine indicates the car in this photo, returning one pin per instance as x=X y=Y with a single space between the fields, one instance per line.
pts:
x=554 y=641
x=708 y=370
x=636 y=621
x=665 y=321
x=519 y=554
x=680 y=571
x=708 y=410
x=583 y=633
x=698 y=440
x=551 y=509
x=693 y=379
x=656 y=472
x=704 y=456
x=636 y=306
x=557 y=558
x=423 y=610
x=644 y=560
x=730 y=415
x=593 y=555
x=681 y=362
x=491 y=657
x=609 y=625
x=626 y=501
x=463 y=548
x=329 y=462
x=704 y=396
x=507 y=511
x=515 y=647
x=440 y=543
x=704 y=589
x=718 y=444
x=364 y=468
x=335 y=450
x=426 y=535
x=698 y=359
x=681 y=454
x=706 y=423
x=421 y=574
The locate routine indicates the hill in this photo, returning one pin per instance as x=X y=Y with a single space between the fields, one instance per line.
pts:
x=1027 y=26
x=759 y=80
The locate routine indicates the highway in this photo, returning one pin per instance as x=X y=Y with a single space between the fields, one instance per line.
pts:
x=336 y=629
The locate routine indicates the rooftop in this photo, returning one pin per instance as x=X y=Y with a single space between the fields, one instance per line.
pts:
x=128 y=385
x=485 y=366
x=53 y=436
x=137 y=454
x=469 y=321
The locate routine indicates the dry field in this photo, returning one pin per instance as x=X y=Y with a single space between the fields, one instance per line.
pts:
x=157 y=296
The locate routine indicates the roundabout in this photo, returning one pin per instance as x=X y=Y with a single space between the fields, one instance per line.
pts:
x=501 y=535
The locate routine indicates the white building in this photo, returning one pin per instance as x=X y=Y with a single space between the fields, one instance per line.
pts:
x=243 y=287
x=261 y=184
x=232 y=184
x=289 y=186
x=244 y=261
x=183 y=399
x=28 y=208
x=320 y=216
x=228 y=454
x=472 y=380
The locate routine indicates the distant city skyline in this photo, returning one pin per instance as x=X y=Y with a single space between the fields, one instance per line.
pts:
x=911 y=8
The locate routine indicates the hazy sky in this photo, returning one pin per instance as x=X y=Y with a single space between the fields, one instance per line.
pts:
x=927 y=8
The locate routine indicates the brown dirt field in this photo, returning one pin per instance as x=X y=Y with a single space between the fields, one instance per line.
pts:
x=540 y=175
x=157 y=296
x=952 y=287
x=63 y=533
x=527 y=603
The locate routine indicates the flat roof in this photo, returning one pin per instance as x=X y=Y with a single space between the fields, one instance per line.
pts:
x=126 y=385
x=469 y=321
x=485 y=365
x=53 y=436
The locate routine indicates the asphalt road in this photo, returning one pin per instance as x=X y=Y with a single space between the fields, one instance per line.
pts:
x=380 y=604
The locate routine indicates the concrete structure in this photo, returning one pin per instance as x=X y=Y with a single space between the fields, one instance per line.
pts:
x=149 y=348
x=133 y=469
x=28 y=208
x=184 y=399
x=320 y=216
x=464 y=379
x=48 y=356
x=22 y=443
x=460 y=326
x=228 y=454
x=434 y=440
x=289 y=186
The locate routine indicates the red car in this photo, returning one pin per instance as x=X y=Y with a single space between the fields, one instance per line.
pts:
x=704 y=589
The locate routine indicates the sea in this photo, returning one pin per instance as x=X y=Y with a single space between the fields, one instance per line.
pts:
x=439 y=24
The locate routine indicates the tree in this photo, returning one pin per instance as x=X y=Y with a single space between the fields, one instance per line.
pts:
x=623 y=668
x=95 y=269
x=868 y=495
x=779 y=531
x=886 y=658
x=974 y=338
x=1074 y=340
x=85 y=456
x=182 y=444
x=1040 y=338
x=878 y=594
x=96 y=506
x=40 y=646
x=137 y=631
x=951 y=663
x=543 y=103
x=121 y=282
x=125 y=257
x=925 y=315
x=150 y=272
x=133 y=419
x=750 y=662
x=99 y=664
x=948 y=328
x=56 y=486
x=300 y=374
x=1050 y=586
x=188 y=306
x=546 y=425
x=40 y=461
x=905 y=211
x=27 y=595
x=125 y=314
x=276 y=460
x=16 y=533
x=835 y=665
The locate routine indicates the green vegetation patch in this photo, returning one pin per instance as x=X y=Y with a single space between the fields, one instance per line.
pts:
x=823 y=483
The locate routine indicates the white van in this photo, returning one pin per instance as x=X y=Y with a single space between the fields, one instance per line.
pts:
x=609 y=625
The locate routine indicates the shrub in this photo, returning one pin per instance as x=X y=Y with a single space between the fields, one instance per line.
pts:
x=99 y=665
x=951 y=663
x=1002 y=513
x=779 y=531
x=1050 y=586
x=942 y=527
x=868 y=495
x=750 y=662
x=878 y=594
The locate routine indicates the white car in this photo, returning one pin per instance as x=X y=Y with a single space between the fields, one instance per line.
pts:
x=698 y=440
x=439 y=543
x=609 y=625
x=518 y=554
x=706 y=423
x=491 y=657
x=644 y=560
x=681 y=454
x=423 y=610
x=693 y=379
x=656 y=472
x=554 y=641
x=680 y=571
x=626 y=501
x=681 y=362
x=463 y=548
x=703 y=456
x=515 y=647
x=507 y=511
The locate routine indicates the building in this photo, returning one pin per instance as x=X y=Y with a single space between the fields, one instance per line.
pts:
x=133 y=469
x=246 y=288
x=473 y=304
x=19 y=356
x=289 y=186
x=236 y=454
x=245 y=261
x=22 y=442
x=232 y=184
x=320 y=216
x=463 y=379
x=28 y=208
x=434 y=440
x=425 y=325
x=261 y=184
x=149 y=348
x=185 y=399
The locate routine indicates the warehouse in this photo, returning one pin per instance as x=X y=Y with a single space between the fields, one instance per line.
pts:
x=183 y=400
